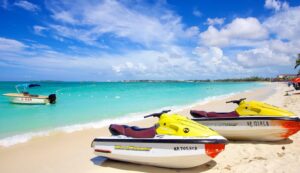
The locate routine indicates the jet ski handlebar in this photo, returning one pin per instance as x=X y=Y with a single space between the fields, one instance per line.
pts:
x=157 y=114
x=236 y=101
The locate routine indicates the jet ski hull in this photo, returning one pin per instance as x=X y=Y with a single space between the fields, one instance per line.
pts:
x=170 y=153
x=253 y=128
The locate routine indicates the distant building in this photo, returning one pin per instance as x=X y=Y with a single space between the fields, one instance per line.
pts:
x=286 y=76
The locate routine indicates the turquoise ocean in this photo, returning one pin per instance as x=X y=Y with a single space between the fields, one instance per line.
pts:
x=94 y=104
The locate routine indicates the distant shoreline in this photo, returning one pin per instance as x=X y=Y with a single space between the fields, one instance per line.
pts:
x=149 y=81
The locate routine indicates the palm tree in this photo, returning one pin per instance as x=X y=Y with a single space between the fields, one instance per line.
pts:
x=298 y=62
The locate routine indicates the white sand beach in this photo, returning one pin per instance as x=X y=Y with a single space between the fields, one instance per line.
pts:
x=71 y=152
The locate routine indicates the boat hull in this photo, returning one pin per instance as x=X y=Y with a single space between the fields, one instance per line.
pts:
x=253 y=128
x=170 y=153
x=28 y=100
x=19 y=98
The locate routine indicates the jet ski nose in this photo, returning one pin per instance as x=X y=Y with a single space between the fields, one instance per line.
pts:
x=212 y=150
x=291 y=126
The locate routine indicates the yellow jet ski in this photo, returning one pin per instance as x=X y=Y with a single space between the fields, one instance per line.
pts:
x=251 y=120
x=174 y=142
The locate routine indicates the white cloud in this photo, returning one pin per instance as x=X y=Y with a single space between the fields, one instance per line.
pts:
x=244 y=46
x=27 y=6
x=256 y=46
x=245 y=28
x=283 y=48
x=4 y=4
x=80 y=34
x=37 y=46
x=273 y=53
x=155 y=65
x=213 y=37
x=11 y=45
x=285 y=24
x=215 y=21
x=240 y=29
x=39 y=29
x=213 y=60
x=262 y=57
x=287 y=47
x=192 y=31
x=197 y=13
x=64 y=16
x=276 y=5
x=129 y=66
x=88 y=21
x=170 y=63
x=126 y=66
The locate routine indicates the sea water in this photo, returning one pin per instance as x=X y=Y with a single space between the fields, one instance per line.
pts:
x=95 y=104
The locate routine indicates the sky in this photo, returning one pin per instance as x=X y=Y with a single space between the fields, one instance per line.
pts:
x=95 y=40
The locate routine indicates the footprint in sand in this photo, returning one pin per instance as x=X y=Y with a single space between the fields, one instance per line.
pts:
x=228 y=167
x=280 y=154
x=259 y=158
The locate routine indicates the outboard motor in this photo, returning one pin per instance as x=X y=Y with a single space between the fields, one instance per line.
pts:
x=52 y=98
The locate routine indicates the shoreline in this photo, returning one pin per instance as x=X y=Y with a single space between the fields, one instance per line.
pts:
x=71 y=152
x=129 y=118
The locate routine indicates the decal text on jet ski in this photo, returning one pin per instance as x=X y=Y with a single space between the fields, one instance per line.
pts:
x=257 y=123
x=134 y=148
x=185 y=148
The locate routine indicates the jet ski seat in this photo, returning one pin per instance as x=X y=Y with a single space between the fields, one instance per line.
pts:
x=201 y=114
x=132 y=131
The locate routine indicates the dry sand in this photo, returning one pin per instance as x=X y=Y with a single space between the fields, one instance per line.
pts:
x=71 y=152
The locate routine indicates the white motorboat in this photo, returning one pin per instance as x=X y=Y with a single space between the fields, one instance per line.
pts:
x=25 y=98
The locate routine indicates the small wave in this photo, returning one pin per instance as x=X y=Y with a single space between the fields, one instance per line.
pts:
x=22 y=138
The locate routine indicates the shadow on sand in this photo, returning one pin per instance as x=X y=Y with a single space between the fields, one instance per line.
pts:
x=282 y=142
x=103 y=162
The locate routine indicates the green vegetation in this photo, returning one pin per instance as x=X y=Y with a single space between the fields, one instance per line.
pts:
x=298 y=62
x=248 y=79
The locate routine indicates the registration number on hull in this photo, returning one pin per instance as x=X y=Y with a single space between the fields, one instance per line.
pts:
x=185 y=148
x=257 y=123
x=26 y=99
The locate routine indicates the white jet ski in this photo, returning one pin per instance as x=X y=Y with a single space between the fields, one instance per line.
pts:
x=175 y=142
x=252 y=120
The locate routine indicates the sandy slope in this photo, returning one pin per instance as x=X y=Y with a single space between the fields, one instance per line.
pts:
x=61 y=152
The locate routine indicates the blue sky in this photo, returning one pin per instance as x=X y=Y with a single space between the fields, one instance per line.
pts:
x=82 y=40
